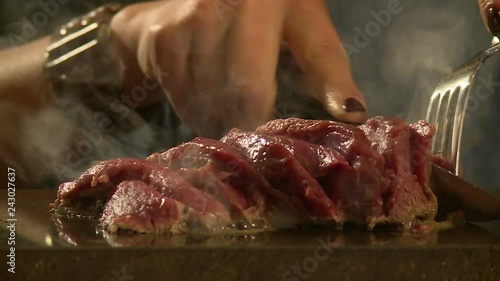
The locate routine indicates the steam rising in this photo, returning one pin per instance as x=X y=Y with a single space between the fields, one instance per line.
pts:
x=423 y=52
x=397 y=72
x=400 y=68
x=403 y=63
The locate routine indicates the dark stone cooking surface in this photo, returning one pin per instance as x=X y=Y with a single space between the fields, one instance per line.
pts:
x=48 y=249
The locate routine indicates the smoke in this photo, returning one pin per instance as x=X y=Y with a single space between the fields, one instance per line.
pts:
x=421 y=52
x=396 y=71
x=47 y=145
x=416 y=45
x=403 y=63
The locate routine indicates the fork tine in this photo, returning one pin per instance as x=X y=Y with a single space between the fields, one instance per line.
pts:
x=447 y=106
x=462 y=98
x=432 y=109
x=431 y=116
x=437 y=114
x=446 y=111
x=454 y=109
x=449 y=142
x=443 y=121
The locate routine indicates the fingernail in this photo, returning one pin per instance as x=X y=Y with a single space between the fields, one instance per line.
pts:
x=494 y=21
x=353 y=105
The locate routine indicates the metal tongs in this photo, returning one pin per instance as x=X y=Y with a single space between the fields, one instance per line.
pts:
x=446 y=111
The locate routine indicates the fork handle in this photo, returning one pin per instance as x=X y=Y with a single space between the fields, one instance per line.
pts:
x=494 y=21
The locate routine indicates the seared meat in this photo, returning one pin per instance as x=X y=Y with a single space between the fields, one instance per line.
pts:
x=288 y=173
x=284 y=172
x=358 y=192
x=408 y=194
x=221 y=170
x=90 y=194
x=138 y=207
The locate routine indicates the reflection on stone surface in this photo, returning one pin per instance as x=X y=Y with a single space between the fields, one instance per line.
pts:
x=35 y=224
x=84 y=232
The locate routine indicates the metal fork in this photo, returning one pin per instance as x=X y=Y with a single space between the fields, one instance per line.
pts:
x=447 y=106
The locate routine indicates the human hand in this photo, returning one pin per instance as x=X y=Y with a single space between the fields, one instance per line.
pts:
x=490 y=12
x=217 y=59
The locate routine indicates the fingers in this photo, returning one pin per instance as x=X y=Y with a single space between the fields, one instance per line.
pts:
x=127 y=26
x=163 y=54
x=492 y=21
x=216 y=70
x=252 y=60
x=316 y=46
x=486 y=4
x=219 y=72
x=128 y=23
x=205 y=79
x=208 y=53
x=159 y=45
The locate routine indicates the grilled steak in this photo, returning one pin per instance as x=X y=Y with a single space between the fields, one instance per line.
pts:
x=405 y=151
x=288 y=173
